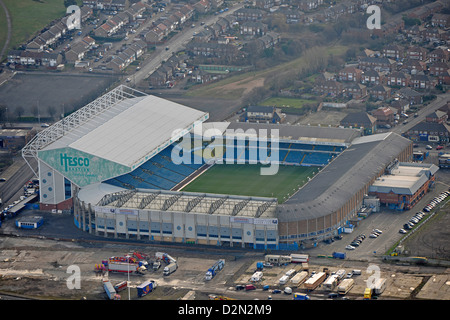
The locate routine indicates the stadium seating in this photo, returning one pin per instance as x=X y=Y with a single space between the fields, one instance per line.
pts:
x=160 y=172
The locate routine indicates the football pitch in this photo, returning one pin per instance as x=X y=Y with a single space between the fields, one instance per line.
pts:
x=246 y=180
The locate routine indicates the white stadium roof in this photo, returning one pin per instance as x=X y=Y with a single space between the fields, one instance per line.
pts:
x=138 y=130
x=124 y=126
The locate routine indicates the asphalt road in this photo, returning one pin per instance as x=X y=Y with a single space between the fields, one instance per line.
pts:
x=439 y=102
x=12 y=188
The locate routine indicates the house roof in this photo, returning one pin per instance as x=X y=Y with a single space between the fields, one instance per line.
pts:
x=361 y=118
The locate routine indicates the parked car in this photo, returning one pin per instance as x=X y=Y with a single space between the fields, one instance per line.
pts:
x=439 y=147
x=350 y=247
x=403 y=231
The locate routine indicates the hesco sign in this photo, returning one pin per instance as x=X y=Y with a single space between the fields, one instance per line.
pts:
x=74 y=163
x=81 y=168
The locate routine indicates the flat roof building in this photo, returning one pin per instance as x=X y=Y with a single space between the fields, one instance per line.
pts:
x=404 y=185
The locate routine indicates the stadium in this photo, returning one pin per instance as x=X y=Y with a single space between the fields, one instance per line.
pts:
x=135 y=166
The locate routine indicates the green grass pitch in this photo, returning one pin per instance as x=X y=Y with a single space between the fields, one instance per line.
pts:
x=245 y=180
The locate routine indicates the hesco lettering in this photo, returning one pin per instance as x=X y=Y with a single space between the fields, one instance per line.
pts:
x=74 y=163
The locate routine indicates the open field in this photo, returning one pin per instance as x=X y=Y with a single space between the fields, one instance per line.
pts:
x=239 y=85
x=28 y=17
x=245 y=179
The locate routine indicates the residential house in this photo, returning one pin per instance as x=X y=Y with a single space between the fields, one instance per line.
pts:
x=76 y=52
x=309 y=5
x=410 y=95
x=379 y=92
x=433 y=35
x=437 y=69
x=397 y=78
x=212 y=50
x=437 y=116
x=269 y=40
x=444 y=78
x=135 y=10
x=202 y=6
x=421 y=81
x=374 y=63
x=393 y=51
x=36 y=45
x=355 y=90
x=384 y=115
x=153 y=36
x=441 y=20
x=439 y=54
x=350 y=74
x=249 y=14
x=371 y=77
x=330 y=88
x=400 y=105
x=33 y=58
x=263 y=4
x=412 y=66
x=416 y=53
x=200 y=76
x=252 y=28
x=292 y=15
x=361 y=120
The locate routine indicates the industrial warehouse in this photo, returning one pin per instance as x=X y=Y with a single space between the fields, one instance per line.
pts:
x=112 y=163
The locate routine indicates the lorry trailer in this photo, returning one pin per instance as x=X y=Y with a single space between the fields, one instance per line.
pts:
x=145 y=288
x=122 y=267
x=110 y=291
x=299 y=258
x=216 y=267
x=300 y=296
x=171 y=268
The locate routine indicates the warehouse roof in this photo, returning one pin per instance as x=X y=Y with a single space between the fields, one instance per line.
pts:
x=406 y=178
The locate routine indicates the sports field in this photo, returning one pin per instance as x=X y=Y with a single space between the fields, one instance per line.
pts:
x=245 y=180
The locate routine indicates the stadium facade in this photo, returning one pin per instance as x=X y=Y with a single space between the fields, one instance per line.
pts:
x=112 y=163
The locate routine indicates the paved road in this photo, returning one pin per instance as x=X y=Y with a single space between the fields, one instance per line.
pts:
x=439 y=102
x=16 y=178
